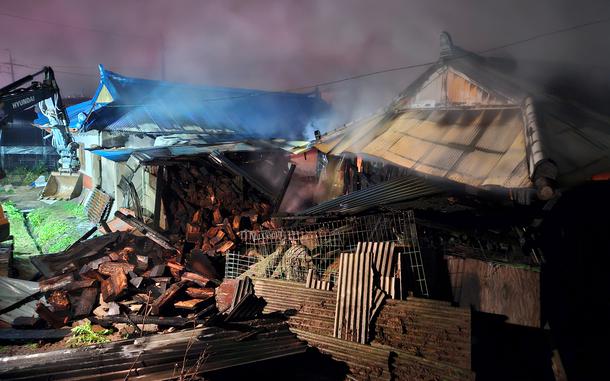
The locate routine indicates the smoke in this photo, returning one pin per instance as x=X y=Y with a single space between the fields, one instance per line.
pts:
x=281 y=44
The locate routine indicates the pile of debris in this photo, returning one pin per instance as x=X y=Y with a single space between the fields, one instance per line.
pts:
x=207 y=208
x=134 y=284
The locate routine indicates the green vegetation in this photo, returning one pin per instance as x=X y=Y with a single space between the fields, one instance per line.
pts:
x=53 y=228
x=24 y=244
x=24 y=175
x=57 y=226
x=85 y=335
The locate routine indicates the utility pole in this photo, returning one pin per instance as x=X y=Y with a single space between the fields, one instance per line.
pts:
x=162 y=48
x=10 y=62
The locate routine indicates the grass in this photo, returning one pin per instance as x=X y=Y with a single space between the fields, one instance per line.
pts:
x=57 y=226
x=85 y=335
x=24 y=244
x=53 y=227
x=24 y=175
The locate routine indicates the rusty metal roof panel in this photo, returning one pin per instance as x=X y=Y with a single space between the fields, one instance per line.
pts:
x=354 y=138
x=465 y=129
x=502 y=127
x=474 y=167
x=433 y=329
x=439 y=160
x=511 y=170
x=475 y=146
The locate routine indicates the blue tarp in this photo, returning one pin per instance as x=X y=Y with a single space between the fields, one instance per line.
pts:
x=221 y=114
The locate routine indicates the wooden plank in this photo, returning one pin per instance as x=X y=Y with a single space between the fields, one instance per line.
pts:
x=56 y=282
x=190 y=304
x=109 y=268
x=114 y=287
x=167 y=296
x=196 y=278
x=86 y=301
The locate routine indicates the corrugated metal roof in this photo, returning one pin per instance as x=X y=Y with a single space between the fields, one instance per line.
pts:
x=478 y=147
x=157 y=357
x=387 y=193
x=156 y=107
x=149 y=154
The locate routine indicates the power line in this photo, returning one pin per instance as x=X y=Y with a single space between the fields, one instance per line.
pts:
x=383 y=71
x=33 y=66
x=430 y=63
x=89 y=29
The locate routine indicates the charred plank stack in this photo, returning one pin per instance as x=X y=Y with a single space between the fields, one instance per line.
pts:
x=208 y=208
x=130 y=279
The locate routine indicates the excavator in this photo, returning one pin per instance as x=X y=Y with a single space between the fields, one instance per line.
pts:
x=26 y=93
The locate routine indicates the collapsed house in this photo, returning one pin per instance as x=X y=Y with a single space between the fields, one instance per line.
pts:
x=128 y=114
x=436 y=239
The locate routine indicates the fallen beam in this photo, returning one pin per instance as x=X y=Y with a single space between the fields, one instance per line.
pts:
x=23 y=335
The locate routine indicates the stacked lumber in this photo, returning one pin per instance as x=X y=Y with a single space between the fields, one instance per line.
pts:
x=209 y=208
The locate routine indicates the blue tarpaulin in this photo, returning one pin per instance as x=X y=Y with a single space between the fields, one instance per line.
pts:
x=133 y=105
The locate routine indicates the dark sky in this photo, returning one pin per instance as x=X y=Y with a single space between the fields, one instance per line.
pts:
x=286 y=43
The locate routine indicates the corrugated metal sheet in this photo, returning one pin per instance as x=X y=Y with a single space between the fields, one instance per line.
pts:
x=381 y=362
x=158 y=357
x=427 y=328
x=464 y=144
x=365 y=362
x=416 y=339
x=314 y=309
x=13 y=291
x=313 y=281
x=390 y=192
x=150 y=154
x=355 y=293
x=97 y=205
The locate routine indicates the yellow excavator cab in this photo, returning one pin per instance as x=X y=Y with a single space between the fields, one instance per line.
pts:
x=62 y=186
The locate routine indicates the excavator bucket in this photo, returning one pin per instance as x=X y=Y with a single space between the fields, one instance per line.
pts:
x=62 y=186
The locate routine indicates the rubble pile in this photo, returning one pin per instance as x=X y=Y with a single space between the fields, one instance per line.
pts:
x=208 y=208
x=136 y=285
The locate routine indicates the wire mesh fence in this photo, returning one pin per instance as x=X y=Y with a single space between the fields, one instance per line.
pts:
x=291 y=251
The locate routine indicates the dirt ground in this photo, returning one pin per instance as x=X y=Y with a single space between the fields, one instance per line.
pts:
x=24 y=197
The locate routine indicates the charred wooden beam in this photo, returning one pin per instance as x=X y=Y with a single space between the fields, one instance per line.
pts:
x=50 y=317
x=109 y=268
x=199 y=293
x=85 y=302
x=172 y=321
x=24 y=335
x=167 y=296
x=220 y=159
x=149 y=232
x=56 y=283
x=280 y=197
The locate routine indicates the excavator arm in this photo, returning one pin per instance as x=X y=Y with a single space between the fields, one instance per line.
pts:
x=26 y=93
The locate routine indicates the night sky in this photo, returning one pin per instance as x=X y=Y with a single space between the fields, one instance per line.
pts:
x=282 y=44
